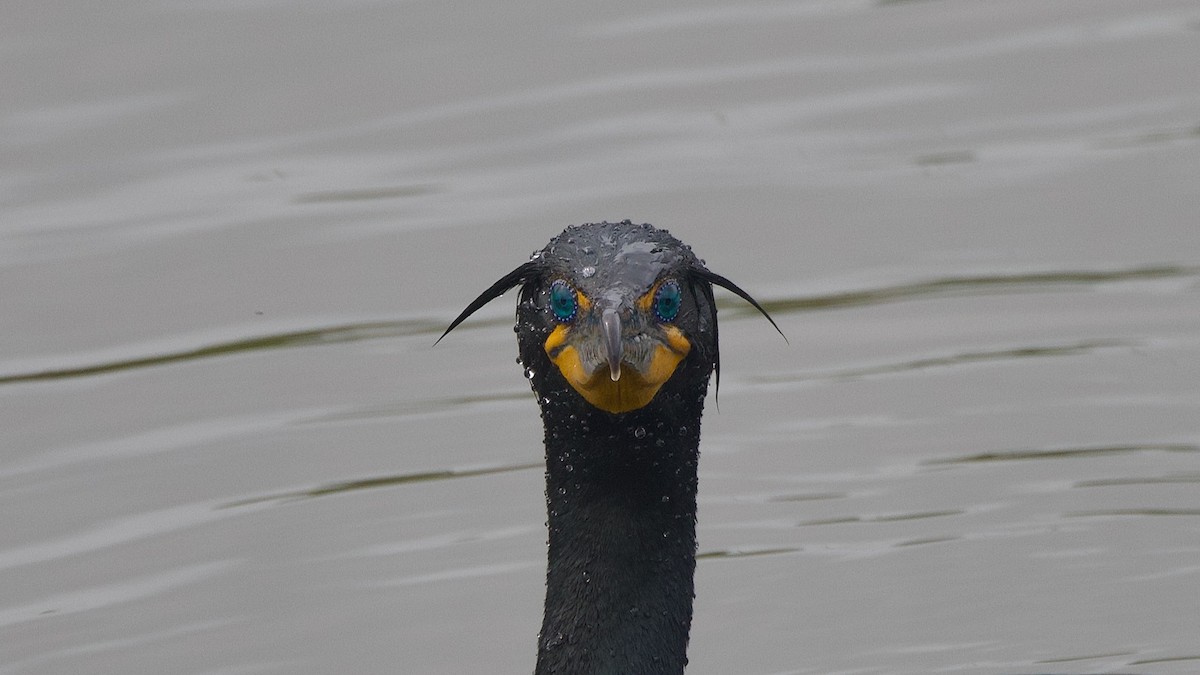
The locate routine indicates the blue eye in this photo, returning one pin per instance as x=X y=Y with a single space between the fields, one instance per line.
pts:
x=563 y=301
x=666 y=301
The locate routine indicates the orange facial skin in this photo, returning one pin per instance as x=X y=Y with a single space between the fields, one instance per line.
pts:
x=634 y=387
x=617 y=376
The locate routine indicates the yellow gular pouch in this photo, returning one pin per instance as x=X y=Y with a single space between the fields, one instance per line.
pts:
x=637 y=384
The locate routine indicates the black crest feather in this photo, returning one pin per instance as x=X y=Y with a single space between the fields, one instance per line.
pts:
x=520 y=276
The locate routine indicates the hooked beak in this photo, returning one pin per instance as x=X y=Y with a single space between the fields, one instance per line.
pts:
x=610 y=322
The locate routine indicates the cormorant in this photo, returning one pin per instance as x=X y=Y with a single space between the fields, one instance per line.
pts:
x=617 y=331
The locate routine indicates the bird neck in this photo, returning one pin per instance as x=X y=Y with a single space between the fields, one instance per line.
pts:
x=621 y=501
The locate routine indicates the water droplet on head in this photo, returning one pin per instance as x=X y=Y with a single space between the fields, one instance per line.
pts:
x=639 y=432
x=587 y=272
x=530 y=373
x=553 y=641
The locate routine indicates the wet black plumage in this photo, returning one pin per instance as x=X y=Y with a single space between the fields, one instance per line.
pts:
x=621 y=473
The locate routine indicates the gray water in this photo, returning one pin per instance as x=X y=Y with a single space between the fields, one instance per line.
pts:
x=231 y=231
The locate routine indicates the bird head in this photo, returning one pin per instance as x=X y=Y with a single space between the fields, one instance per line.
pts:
x=615 y=309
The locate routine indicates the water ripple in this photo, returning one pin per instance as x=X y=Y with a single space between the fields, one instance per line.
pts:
x=949 y=286
x=303 y=338
x=380 y=481
x=1166 y=659
x=1071 y=349
x=1134 y=512
x=988 y=284
x=743 y=553
x=1065 y=453
x=889 y=518
x=111 y=533
x=1153 y=480
x=71 y=602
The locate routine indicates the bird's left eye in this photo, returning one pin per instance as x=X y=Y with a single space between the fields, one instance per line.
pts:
x=666 y=301
x=563 y=301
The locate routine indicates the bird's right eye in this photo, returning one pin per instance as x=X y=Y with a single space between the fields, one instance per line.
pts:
x=563 y=301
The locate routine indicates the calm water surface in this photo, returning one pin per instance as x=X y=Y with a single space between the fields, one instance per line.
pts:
x=231 y=231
